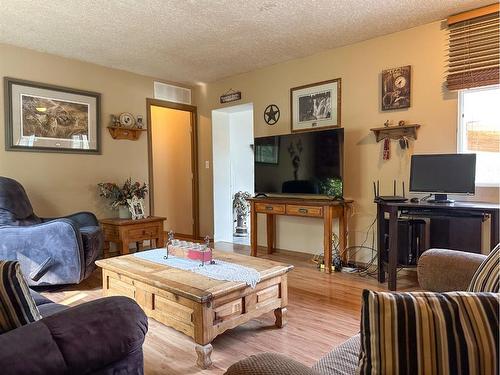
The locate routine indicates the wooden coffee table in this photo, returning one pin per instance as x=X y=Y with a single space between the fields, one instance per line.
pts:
x=195 y=305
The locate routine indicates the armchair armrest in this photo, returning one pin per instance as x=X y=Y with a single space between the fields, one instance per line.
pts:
x=82 y=219
x=442 y=270
x=33 y=245
x=269 y=364
x=79 y=340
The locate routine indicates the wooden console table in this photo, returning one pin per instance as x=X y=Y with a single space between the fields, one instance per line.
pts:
x=126 y=231
x=312 y=208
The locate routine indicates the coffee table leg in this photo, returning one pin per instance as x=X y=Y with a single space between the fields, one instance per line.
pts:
x=281 y=319
x=204 y=351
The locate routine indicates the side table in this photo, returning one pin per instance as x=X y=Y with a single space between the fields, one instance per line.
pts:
x=123 y=232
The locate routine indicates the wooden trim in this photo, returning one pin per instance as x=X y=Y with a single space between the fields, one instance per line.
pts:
x=194 y=155
x=479 y=12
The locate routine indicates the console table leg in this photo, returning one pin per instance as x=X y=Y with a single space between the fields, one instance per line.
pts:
x=270 y=234
x=253 y=230
x=281 y=317
x=327 y=239
x=204 y=352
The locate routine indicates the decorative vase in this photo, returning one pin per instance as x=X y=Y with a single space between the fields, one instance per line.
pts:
x=124 y=212
x=241 y=226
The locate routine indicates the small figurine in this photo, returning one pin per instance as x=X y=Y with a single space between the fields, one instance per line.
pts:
x=401 y=123
x=139 y=124
x=386 y=124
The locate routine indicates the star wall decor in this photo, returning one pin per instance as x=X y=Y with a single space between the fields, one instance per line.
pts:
x=271 y=114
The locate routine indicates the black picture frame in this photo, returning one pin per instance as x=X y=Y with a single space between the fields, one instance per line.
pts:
x=14 y=119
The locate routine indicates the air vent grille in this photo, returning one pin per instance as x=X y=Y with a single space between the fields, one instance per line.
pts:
x=172 y=93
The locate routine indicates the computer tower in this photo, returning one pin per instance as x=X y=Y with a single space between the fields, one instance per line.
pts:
x=411 y=241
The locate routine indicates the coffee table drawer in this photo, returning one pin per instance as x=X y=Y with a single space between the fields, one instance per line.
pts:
x=270 y=208
x=312 y=211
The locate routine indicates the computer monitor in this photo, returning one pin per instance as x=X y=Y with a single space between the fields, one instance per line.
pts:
x=442 y=174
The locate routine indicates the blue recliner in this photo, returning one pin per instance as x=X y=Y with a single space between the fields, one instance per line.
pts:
x=51 y=251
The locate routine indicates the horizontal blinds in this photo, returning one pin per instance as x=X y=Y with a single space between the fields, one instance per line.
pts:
x=474 y=53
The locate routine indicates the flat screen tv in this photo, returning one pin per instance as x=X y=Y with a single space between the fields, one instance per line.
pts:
x=308 y=163
x=442 y=174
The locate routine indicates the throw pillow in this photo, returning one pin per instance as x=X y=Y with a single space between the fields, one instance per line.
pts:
x=429 y=333
x=486 y=277
x=17 y=306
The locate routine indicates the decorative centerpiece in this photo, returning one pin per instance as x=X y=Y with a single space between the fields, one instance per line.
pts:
x=125 y=198
x=241 y=208
x=202 y=253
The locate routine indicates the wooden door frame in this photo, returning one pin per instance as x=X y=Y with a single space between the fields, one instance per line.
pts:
x=194 y=157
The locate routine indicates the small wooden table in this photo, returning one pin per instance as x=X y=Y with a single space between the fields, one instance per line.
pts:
x=312 y=208
x=196 y=305
x=126 y=231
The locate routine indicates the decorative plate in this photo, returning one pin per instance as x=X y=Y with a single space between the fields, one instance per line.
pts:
x=127 y=120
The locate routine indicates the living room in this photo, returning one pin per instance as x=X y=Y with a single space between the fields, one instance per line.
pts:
x=264 y=56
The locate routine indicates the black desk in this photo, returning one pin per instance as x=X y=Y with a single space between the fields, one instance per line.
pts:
x=423 y=209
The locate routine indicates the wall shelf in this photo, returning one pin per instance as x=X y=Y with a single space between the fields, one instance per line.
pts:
x=132 y=134
x=396 y=132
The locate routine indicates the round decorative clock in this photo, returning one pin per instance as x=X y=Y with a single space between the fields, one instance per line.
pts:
x=271 y=114
x=127 y=120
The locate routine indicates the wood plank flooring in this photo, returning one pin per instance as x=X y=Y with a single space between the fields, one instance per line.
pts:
x=323 y=312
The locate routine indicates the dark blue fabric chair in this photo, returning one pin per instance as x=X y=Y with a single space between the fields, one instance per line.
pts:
x=51 y=251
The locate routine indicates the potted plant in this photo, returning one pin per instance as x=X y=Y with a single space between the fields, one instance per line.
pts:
x=118 y=196
x=241 y=208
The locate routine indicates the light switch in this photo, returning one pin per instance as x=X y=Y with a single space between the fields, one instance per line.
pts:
x=207 y=164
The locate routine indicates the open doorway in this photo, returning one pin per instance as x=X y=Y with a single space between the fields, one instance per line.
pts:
x=173 y=182
x=233 y=170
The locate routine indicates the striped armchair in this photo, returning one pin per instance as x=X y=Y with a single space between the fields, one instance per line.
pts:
x=438 y=270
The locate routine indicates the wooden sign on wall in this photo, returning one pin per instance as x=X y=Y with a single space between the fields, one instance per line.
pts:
x=230 y=96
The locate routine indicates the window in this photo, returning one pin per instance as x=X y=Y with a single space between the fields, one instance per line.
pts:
x=479 y=131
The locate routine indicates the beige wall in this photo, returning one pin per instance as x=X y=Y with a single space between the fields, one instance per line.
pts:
x=359 y=66
x=63 y=183
x=172 y=172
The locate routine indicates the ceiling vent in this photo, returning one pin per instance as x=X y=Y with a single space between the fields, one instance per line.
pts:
x=172 y=93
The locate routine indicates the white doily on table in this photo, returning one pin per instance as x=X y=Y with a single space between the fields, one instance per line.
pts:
x=221 y=270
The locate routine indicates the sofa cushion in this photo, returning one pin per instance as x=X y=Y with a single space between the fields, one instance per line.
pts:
x=429 y=333
x=343 y=360
x=17 y=306
x=486 y=278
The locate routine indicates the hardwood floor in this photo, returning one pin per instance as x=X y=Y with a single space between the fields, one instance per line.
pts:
x=323 y=312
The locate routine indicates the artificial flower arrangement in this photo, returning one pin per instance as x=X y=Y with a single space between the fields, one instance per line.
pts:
x=119 y=196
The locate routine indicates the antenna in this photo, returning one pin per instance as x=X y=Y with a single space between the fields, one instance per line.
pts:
x=403 y=183
x=378 y=188
x=394 y=188
x=374 y=191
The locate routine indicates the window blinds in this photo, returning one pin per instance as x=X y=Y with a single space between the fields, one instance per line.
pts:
x=473 y=54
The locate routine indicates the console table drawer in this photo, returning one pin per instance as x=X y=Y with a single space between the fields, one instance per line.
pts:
x=270 y=208
x=143 y=233
x=312 y=211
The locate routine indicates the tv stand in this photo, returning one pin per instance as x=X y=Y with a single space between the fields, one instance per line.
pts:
x=325 y=209
x=440 y=198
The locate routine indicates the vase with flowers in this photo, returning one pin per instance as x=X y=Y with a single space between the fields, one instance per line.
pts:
x=118 y=195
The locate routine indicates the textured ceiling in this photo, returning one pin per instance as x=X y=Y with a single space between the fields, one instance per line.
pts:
x=204 y=40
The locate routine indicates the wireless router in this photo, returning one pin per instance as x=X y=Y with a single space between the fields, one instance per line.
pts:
x=388 y=198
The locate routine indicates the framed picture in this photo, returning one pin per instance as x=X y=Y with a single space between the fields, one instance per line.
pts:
x=136 y=208
x=315 y=106
x=267 y=150
x=42 y=117
x=396 y=88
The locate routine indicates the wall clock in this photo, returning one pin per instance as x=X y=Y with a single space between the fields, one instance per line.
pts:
x=271 y=114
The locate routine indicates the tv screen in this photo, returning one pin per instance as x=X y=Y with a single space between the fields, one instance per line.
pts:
x=303 y=163
x=443 y=173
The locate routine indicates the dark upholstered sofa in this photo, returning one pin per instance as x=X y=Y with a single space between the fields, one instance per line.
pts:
x=51 y=251
x=438 y=270
x=104 y=336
